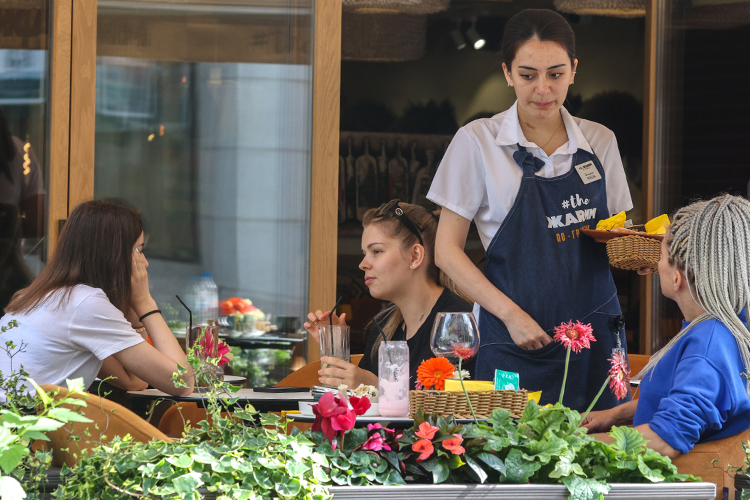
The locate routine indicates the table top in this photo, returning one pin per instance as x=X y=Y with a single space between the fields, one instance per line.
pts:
x=372 y=419
x=261 y=401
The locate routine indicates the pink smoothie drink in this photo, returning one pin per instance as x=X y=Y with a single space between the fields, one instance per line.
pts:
x=394 y=398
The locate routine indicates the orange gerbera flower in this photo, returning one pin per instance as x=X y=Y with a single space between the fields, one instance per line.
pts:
x=433 y=372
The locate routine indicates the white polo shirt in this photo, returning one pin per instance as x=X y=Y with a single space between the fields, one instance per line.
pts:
x=478 y=178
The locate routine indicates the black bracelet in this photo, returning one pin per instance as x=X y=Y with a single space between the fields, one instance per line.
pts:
x=149 y=314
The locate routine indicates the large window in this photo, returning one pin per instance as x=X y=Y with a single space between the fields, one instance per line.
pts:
x=203 y=120
x=24 y=139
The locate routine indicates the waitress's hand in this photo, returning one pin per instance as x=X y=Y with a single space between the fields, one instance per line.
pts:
x=140 y=295
x=525 y=332
x=644 y=271
x=319 y=318
x=340 y=372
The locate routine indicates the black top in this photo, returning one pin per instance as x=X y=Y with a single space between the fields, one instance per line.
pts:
x=419 y=344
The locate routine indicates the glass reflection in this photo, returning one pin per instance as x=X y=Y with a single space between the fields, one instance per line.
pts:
x=24 y=35
x=203 y=120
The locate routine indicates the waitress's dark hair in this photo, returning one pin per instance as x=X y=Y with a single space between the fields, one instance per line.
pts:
x=95 y=249
x=544 y=25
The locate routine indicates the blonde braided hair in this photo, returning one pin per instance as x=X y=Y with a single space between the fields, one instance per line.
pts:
x=710 y=242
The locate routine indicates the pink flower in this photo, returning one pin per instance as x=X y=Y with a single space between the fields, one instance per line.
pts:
x=427 y=431
x=332 y=415
x=424 y=448
x=206 y=343
x=619 y=375
x=575 y=336
x=360 y=405
x=223 y=353
x=463 y=351
x=454 y=444
x=376 y=442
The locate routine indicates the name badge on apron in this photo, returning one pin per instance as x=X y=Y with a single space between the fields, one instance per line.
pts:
x=588 y=172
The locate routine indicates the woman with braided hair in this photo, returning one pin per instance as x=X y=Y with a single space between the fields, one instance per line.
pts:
x=695 y=388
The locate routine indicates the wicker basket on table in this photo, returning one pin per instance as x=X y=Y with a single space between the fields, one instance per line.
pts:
x=634 y=252
x=453 y=403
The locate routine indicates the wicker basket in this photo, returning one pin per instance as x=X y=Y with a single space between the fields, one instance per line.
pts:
x=634 y=252
x=453 y=403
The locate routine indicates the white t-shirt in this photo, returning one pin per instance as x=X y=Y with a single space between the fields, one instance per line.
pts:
x=67 y=340
x=478 y=178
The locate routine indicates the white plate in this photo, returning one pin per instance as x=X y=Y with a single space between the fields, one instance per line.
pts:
x=305 y=408
x=253 y=333
x=234 y=378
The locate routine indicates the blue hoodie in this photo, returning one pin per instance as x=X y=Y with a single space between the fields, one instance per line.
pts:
x=696 y=392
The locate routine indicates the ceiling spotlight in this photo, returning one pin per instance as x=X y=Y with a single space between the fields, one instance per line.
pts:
x=474 y=37
x=458 y=38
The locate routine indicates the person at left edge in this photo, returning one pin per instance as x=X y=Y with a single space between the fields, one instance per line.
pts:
x=531 y=177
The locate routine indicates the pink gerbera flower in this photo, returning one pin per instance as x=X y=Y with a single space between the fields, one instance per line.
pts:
x=619 y=375
x=575 y=336
x=463 y=351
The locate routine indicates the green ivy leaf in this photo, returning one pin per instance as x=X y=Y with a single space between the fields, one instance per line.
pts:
x=182 y=461
x=288 y=487
x=187 y=483
x=296 y=468
x=66 y=415
x=11 y=456
x=45 y=424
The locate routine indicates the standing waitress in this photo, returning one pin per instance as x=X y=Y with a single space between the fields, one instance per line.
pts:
x=531 y=178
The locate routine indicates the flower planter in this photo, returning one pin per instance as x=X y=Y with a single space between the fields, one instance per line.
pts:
x=619 y=491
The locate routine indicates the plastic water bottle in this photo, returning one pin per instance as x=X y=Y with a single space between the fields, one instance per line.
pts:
x=209 y=298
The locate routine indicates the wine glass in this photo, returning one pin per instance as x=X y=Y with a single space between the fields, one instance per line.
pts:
x=455 y=335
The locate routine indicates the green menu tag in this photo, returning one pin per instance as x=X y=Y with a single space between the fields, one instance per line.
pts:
x=506 y=380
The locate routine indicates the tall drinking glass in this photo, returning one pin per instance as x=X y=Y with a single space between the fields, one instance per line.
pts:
x=393 y=378
x=334 y=342
x=454 y=335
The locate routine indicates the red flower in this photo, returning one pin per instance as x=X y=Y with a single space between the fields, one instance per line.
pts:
x=575 y=336
x=619 y=375
x=463 y=351
x=332 y=415
x=454 y=444
x=424 y=448
x=426 y=431
x=360 y=405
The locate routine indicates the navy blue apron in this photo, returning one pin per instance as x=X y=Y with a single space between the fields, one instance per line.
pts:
x=541 y=260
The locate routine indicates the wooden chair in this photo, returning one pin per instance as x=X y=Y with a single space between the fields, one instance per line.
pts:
x=181 y=416
x=307 y=376
x=109 y=419
x=711 y=461
x=636 y=362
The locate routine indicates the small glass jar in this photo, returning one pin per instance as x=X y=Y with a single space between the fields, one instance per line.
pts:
x=393 y=378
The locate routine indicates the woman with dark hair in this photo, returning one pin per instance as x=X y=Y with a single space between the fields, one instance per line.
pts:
x=398 y=243
x=531 y=178
x=73 y=318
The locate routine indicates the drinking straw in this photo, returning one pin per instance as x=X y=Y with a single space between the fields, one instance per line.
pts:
x=190 y=313
x=333 y=311
x=382 y=333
